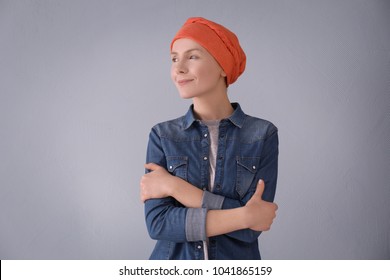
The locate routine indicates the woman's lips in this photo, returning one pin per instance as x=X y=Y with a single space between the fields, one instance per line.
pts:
x=183 y=82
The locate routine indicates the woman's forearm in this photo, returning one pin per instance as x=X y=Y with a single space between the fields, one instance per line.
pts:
x=224 y=221
x=187 y=194
x=256 y=215
x=160 y=184
x=217 y=221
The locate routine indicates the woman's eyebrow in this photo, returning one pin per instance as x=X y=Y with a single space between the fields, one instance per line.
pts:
x=187 y=51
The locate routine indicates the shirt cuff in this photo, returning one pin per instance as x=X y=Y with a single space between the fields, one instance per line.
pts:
x=212 y=201
x=196 y=224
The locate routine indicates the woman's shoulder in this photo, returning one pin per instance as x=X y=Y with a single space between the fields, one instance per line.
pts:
x=259 y=126
x=169 y=126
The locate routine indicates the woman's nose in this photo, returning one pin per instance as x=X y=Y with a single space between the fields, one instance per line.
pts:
x=180 y=67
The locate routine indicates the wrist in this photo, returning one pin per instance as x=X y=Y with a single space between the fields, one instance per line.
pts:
x=171 y=186
x=245 y=217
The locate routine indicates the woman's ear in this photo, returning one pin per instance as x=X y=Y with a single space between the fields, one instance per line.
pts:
x=224 y=76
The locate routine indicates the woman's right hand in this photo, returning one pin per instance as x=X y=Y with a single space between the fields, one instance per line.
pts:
x=155 y=184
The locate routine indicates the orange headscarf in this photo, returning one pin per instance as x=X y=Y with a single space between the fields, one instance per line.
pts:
x=220 y=42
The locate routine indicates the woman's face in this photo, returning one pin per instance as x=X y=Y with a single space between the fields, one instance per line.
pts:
x=194 y=70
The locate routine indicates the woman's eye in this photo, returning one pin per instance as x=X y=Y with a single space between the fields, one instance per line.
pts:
x=174 y=59
x=193 y=57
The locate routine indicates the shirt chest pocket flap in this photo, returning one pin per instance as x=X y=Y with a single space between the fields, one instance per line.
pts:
x=247 y=168
x=178 y=165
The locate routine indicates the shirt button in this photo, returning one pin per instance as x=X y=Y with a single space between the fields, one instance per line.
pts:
x=205 y=135
x=199 y=247
x=205 y=158
x=253 y=167
x=170 y=167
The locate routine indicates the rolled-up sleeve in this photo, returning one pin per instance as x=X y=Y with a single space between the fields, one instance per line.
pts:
x=196 y=224
x=212 y=201
x=196 y=217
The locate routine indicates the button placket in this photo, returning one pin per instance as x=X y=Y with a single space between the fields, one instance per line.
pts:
x=205 y=136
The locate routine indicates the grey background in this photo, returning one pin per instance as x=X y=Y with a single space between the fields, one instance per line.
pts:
x=82 y=83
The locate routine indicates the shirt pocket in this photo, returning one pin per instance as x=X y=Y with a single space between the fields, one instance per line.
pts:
x=246 y=173
x=178 y=166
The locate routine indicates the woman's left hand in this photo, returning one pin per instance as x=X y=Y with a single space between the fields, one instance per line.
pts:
x=156 y=184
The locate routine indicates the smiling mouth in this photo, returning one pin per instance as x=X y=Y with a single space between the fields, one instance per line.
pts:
x=184 y=82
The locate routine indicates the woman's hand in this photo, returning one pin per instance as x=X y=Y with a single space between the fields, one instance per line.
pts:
x=157 y=183
x=259 y=213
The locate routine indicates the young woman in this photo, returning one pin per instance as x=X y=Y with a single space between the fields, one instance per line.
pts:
x=211 y=174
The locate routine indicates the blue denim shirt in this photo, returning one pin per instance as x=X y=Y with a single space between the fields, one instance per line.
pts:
x=247 y=151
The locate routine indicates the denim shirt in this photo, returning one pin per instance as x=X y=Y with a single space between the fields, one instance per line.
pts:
x=247 y=151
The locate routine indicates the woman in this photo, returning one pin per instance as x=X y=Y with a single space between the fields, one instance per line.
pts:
x=211 y=174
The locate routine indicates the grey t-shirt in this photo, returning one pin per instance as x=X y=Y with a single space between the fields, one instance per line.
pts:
x=213 y=127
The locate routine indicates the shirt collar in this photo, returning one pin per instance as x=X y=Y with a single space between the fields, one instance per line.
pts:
x=237 y=118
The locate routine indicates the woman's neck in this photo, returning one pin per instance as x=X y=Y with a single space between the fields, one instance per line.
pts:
x=214 y=107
